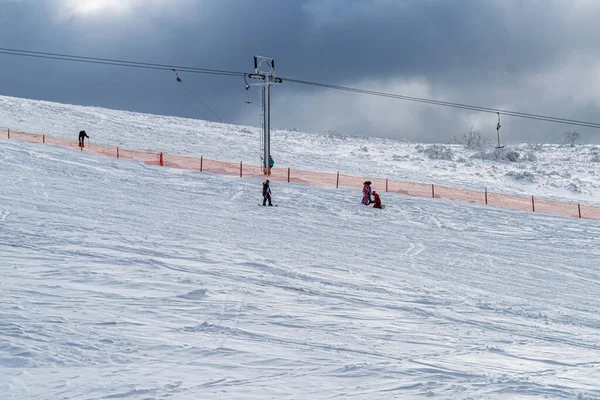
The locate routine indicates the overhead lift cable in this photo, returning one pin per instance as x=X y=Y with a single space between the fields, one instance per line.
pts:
x=196 y=96
x=449 y=104
x=122 y=63
x=165 y=67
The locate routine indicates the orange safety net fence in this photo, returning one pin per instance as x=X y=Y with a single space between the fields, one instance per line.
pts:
x=338 y=180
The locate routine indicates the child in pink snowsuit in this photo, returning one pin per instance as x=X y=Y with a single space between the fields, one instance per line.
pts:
x=367 y=193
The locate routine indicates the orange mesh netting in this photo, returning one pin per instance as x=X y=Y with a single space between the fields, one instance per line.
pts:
x=26 y=137
x=319 y=178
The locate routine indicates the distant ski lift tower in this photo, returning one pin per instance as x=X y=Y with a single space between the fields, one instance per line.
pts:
x=264 y=72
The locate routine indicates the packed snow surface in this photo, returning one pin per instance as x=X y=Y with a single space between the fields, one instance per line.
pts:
x=127 y=281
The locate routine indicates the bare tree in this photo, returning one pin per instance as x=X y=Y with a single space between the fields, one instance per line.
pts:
x=472 y=140
x=570 y=138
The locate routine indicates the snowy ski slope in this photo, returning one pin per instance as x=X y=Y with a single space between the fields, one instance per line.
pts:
x=121 y=280
x=545 y=170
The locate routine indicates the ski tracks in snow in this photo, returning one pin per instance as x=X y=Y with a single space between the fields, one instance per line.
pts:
x=136 y=283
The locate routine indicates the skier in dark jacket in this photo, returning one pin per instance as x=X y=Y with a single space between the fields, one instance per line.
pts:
x=82 y=136
x=266 y=190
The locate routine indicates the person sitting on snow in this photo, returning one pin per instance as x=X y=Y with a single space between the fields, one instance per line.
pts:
x=367 y=193
x=377 y=200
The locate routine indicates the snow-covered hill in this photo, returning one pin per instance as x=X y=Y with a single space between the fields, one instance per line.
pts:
x=121 y=280
x=546 y=170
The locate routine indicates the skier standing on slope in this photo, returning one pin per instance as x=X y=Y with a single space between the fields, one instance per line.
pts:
x=266 y=190
x=271 y=163
x=367 y=193
x=377 y=200
x=82 y=136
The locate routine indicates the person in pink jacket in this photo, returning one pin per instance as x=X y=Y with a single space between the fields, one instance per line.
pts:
x=367 y=193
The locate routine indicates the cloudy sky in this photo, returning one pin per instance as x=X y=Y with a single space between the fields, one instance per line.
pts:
x=535 y=56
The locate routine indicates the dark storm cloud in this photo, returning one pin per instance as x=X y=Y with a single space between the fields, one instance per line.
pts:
x=530 y=56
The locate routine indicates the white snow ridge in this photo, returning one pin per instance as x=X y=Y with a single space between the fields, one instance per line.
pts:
x=127 y=281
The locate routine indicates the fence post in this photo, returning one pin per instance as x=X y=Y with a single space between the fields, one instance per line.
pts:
x=432 y=191
x=9 y=133
x=386 y=184
x=43 y=138
x=240 y=169
x=117 y=153
x=337 y=181
x=160 y=160
x=486 y=195
x=532 y=204
x=579 y=208
x=288 y=174
x=201 y=160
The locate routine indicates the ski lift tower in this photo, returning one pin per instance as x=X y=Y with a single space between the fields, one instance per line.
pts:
x=264 y=73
